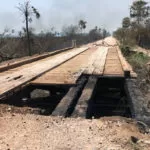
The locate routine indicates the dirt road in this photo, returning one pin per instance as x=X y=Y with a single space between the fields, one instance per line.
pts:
x=31 y=132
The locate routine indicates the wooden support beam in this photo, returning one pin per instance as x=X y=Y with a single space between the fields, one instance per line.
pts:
x=87 y=93
x=137 y=102
x=66 y=104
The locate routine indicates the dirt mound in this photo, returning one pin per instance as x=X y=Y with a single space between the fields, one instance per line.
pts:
x=49 y=133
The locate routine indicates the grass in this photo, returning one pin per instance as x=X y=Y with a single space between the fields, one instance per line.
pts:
x=139 y=63
x=137 y=60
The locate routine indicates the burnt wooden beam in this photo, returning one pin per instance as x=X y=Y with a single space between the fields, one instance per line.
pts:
x=81 y=109
x=65 y=106
x=138 y=106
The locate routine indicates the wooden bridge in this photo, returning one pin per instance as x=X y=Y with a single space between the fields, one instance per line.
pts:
x=65 y=67
x=92 y=80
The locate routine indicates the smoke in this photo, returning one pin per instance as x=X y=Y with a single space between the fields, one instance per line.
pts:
x=58 y=13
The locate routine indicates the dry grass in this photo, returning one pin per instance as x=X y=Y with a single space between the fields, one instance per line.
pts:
x=17 y=47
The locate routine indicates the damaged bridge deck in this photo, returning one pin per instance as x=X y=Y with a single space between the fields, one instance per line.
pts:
x=66 y=67
x=91 y=81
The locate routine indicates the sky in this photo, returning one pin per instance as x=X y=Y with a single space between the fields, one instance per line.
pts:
x=59 y=13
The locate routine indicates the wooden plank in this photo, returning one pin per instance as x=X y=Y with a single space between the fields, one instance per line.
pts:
x=90 y=67
x=100 y=63
x=87 y=93
x=30 y=59
x=113 y=65
x=67 y=73
x=10 y=80
x=128 y=71
x=96 y=62
x=63 y=108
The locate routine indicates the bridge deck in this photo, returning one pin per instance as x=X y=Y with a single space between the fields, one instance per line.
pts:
x=67 y=73
x=15 y=78
x=67 y=67
x=100 y=61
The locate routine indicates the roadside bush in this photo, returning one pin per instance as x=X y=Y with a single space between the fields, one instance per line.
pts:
x=138 y=60
x=125 y=50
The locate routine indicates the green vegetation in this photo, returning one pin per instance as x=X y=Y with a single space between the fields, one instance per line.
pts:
x=82 y=25
x=136 y=59
x=139 y=63
x=135 y=31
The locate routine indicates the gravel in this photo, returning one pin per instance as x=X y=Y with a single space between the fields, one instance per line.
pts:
x=35 y=132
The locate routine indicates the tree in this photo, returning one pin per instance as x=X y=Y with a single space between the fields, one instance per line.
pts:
x=139 y=10
x=126 y=22
x=95 y=34
x=28 y=11
x=70 y=31
x=105 y=33
x=119 y=34
x=82 y=25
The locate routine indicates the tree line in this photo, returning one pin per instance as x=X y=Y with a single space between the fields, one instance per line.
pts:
x=135 y=28
x=29 y=43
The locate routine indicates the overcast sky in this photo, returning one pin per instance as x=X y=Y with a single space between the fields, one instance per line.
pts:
x=58 y=13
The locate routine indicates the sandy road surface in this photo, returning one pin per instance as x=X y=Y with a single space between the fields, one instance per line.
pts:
x=31 y=132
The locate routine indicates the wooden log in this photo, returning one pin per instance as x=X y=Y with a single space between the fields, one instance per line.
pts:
x=87 y=93
x=30 y=60
x=66 y=104
x=10 y=80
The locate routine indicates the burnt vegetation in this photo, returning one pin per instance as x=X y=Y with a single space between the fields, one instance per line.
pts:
x=27 y=42
x=133 y=34
x=135 y=28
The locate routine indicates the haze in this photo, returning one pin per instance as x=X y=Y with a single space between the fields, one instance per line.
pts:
x=102 y=13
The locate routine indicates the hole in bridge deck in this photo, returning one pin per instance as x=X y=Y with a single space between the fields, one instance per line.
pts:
x=41 y=102
x=109 y=99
